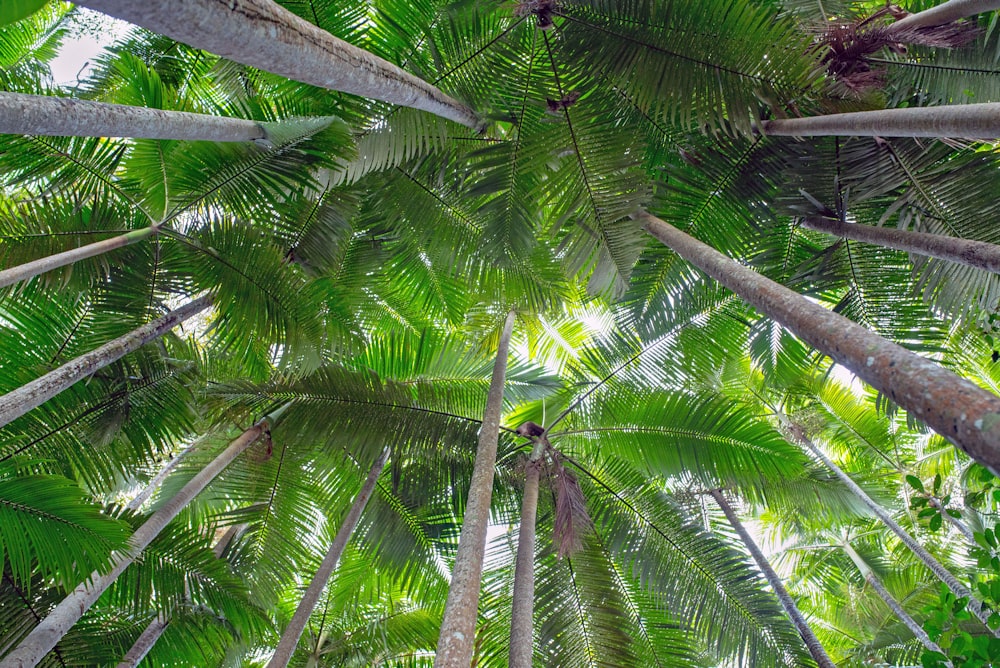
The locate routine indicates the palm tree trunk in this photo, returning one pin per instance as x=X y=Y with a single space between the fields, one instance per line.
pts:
x=978 y=254
x=22 y=114
x=290 y=638
x=458 y=627
x=23 y=272
x=144 y=643
x=956 y=587
x=44 y=637
x=970 y=121
x=33 y=394
x=262 y=34
x=812 y=642
x=890 y=601
x=946 y=12
x=523 y=608
x=147 y=639
x=954 y=407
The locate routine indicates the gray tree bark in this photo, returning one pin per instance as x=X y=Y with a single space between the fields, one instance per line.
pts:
x=47 y=634
x=22 y=114
x=956 y=408
x=290 y=638
x=787 y=602
x=33 y=394
x=145 y=642
x=458 y=627
x=262 y=34
x=978 y=254
x=523 y=608
x=970 y=121
x=23 y=272
x=946 y=12
x=942 y=573
x=890 y=601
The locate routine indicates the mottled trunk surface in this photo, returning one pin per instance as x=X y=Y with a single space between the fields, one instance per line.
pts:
x=523 y=608
x=978 y=254
x=458 y=628
x=969 y=121
x=23 y=272
x=262 y=34
x=808 y=637
x=33 y=394
x=956 y=408
x=22 y=114
x=290 y=638
x=61 y=619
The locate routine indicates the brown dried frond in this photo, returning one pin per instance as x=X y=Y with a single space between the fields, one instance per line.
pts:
x=572 y=519
x=848 y=46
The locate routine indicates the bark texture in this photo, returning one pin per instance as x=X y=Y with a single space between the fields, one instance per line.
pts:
x=946 y=12
x=943 y=574
x=22 y=114
x=33 y=394
x=44 y=637
x=957 y=409
x=978 y=254
x=876 y=584
x=144 y=643
x=523 y=608
x=812 y=642
x=23 y=272
x=458 y=627
x=262 y=34
x=970 y=121
x=290 y=638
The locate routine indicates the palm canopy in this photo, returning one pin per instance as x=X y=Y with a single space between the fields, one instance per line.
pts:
x=359 y=267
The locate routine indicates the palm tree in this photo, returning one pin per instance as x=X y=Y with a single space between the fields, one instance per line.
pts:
x=45 y=636
x=46 y=115
x=290 y=638
x=455 y=645
x=331 y=279
x=815 y=648
x=266 y=35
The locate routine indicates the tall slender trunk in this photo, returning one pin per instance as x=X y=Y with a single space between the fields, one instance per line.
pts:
x=890 y=601
x=978 y=254
x=956 y=587
x=812 y=642
x=23 y=272
x=262 y=34
x=145 y=642
x=957 y=409
x=971 y=121
x=458 y=627
x=22 y=114
x=34 y=393
x=290 y=638
x=44 y=637
x=523 y=608
x=946 y=12
x=147 y=639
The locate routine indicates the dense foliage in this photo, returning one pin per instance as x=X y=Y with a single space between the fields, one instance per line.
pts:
x=361 y=263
